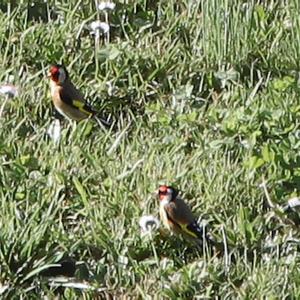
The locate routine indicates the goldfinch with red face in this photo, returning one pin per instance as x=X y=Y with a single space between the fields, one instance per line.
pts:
x=68 y=100
x=176 y=215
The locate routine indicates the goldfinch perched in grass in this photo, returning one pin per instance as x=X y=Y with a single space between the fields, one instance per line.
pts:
x=68 y=100
x=176 y=215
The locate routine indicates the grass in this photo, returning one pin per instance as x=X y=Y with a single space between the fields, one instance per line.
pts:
x=207 y=99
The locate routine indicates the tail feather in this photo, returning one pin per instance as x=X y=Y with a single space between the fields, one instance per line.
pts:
x=204 y=236
x=196 y=229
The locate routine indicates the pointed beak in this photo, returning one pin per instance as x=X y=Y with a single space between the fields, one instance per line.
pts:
x=49 y=75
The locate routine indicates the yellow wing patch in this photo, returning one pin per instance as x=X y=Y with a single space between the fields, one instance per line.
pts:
x=80 y=105
x=186 y=230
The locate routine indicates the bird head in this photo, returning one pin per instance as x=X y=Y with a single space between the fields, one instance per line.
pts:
x=58 y=74
x=167 y=193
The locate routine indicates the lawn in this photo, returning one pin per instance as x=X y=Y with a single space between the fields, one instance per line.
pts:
x=205 y=97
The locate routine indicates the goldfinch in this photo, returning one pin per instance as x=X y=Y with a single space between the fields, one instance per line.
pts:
x=176 y=215
x=68 y=100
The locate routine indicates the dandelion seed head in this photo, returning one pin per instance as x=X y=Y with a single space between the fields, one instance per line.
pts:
x=9 y=90
x=106 y=5
x=294 y=202
x=54 y=131
x=148 y=224
x=98 y=27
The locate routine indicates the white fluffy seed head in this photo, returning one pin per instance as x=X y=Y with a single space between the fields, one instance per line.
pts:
x=106 y=5
x=9 y=90
x=148 y=224
x=98 y=27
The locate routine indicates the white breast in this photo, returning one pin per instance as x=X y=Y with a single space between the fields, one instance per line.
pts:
x=53 y=87
x=164 y=202
x=54 y=90
x=163 y=214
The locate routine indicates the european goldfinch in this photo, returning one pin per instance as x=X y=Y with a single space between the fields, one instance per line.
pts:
x=176 y=215
x=68 y=100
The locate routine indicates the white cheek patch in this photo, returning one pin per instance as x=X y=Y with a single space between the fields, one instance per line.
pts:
x=164 y=202
x=61 y=76
x=163 y=213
